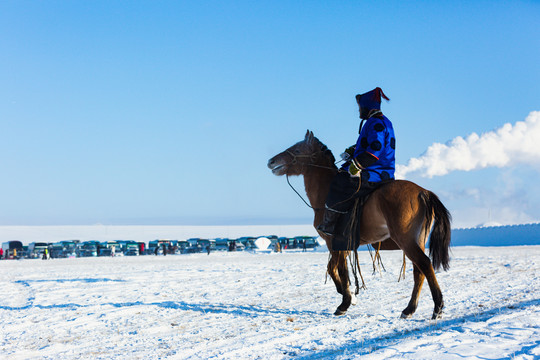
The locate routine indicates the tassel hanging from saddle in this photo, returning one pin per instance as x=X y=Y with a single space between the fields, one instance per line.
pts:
x=353 y=257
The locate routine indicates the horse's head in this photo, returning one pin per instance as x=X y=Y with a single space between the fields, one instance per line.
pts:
x=299 y=157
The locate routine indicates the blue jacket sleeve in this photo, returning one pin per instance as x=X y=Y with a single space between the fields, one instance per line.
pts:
x=370 y=143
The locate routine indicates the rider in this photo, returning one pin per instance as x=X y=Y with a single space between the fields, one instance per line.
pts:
x=369 y=162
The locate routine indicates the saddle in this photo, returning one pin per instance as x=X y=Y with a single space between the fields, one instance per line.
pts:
x=347 y=227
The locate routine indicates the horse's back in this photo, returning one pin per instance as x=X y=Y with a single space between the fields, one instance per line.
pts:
x=399 y=194
x=392 y=209
x=401 y=187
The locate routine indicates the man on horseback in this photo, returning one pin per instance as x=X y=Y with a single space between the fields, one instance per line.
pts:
x=368 y=163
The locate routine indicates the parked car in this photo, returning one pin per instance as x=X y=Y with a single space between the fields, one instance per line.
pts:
x=105 y=251
x=222 y=244
x=246 y=243
x=132 y=250
x=310 y=241
x=88 y=249
x=205 y=243
x=123 y=245
x=37 y=249
x=13 y=249
x=69 y=248
x=109 y=248
x=156 y=246
x=193 y=246
x=182 y=246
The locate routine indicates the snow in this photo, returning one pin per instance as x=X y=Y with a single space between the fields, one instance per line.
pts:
x=266 y=306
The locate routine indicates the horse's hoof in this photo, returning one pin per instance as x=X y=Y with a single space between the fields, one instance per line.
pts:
x=354 y=300
x=437 y=312
x=340 y=312
x=437 y=315
x=405 y=316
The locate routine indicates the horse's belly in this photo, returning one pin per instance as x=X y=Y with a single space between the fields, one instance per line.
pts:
x=373 y=227
x=373 y=234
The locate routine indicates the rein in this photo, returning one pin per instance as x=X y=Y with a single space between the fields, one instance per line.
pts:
x=312 y=157
x=300 y=196
x=355 y=266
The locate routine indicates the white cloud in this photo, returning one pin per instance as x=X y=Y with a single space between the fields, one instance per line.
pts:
x=506 y=146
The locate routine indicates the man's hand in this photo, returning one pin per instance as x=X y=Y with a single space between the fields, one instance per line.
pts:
x=348 y=154
x=353 y=169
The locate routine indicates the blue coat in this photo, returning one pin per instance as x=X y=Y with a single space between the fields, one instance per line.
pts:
x=375 y=150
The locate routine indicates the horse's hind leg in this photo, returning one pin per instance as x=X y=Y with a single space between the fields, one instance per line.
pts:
x=413 y=303
x=421 y=260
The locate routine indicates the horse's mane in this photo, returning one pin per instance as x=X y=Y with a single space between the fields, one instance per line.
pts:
x=325 y=150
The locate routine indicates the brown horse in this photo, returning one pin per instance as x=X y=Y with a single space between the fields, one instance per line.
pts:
x=398 y=215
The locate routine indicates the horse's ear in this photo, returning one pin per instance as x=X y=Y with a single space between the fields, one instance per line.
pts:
x=309 y=136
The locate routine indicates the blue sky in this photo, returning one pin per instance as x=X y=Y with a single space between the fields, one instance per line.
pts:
x=165 y=112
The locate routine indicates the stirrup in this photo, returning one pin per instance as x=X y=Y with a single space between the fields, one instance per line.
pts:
x=325 y=232
x=330 y=219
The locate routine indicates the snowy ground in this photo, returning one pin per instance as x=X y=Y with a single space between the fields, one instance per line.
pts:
x=266 y=306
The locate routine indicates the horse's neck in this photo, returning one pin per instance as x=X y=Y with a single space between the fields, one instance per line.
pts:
x=317 y=184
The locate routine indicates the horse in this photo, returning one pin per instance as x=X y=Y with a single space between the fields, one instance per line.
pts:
x=397 y=215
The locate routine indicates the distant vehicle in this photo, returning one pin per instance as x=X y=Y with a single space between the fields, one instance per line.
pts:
x=240 y=246
x=88 y=249
x=123 y=245
x=110 y=244
x=246 y=243
x=288 y=243
x=63 y=249
x=222 y=244
x=105 y=252
x=56 y=250
x=69 y=248
x=158 y=243
x=297 y=242
x=132 y=250
x=110 y=248
x=205 y=243
x=37 y=249
x=310 y=241
x=193 y=246
x=12 y=249
x=182 y=246
x=236 y=245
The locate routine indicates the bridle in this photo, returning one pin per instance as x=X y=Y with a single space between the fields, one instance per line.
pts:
x=312 y=157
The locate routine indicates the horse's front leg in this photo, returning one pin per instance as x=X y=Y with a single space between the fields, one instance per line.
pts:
x=343 y=272
x=332 y=270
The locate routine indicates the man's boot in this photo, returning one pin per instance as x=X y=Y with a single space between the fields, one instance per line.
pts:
x=329 y=222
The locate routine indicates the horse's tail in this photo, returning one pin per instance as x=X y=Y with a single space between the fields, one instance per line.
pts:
x=439 y=240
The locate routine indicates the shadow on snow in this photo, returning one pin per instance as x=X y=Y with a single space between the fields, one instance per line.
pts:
x=369 y=345
x=238 y=310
